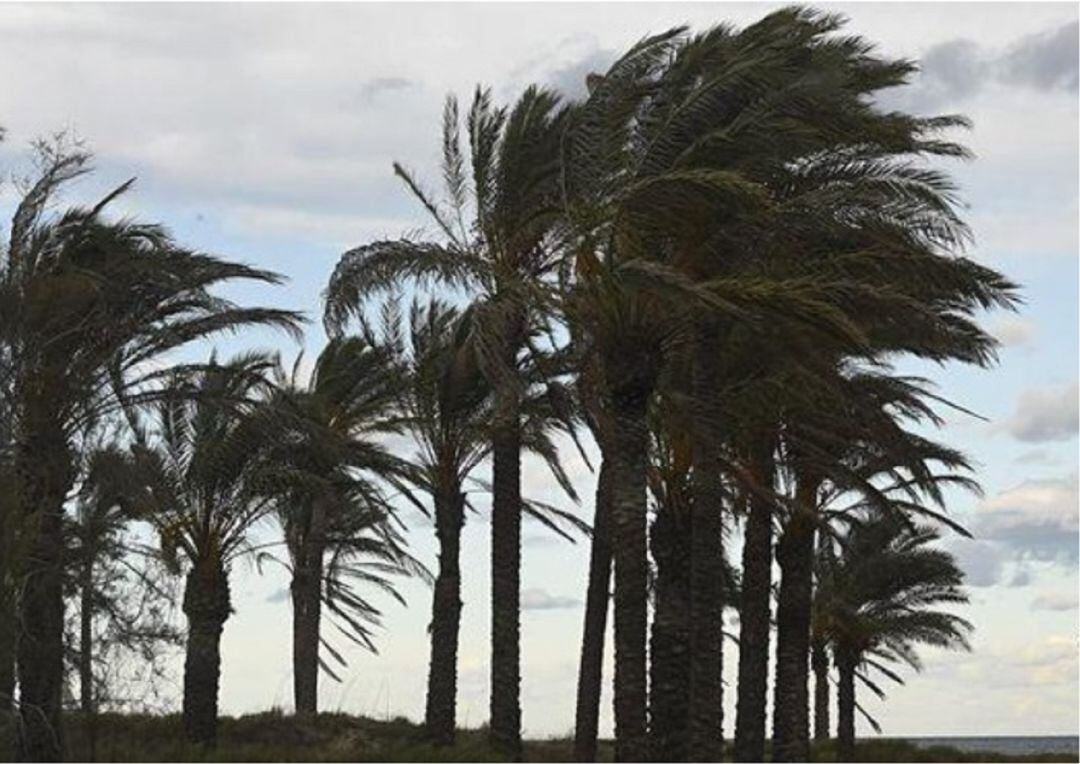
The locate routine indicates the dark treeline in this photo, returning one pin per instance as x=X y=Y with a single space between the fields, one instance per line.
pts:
x=708 y=265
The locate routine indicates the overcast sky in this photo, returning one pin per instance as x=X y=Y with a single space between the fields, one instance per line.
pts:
x=266 y=133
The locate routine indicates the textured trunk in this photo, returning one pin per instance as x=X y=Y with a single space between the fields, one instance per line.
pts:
x=845 y=666
x=669 y=664
x=706 y=566
x=86 y=654
x=819 y=659
x=44 y=475
x=207 y=607
x=440 y=714
x=631 y=386
x=754 y=618
x=795 y=553
x=8 y=618
x=306 y=591
x=506 y=588
x=590 y=674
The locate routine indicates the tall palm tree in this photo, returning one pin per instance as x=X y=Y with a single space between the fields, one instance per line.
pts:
x=340 y=528
x=505 y=257
x=86 y=308
x=203 y=481
x=880 y=597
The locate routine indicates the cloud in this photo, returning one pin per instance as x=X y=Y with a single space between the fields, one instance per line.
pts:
x=279 y=595
x=1057 y=601
x=1034 y=520
x=1045 y=414
x=538 y=599
x=570 y=79
x=1014 y=331
x=1037 y=456
x=957 y=70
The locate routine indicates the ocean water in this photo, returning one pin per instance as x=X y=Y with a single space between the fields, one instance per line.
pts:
x=1005 y=744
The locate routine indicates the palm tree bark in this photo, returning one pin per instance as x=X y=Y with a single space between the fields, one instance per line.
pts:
x=669 y=664
x=86 y=653
x=440 y=714
x=43 y=473
x=629 y=461
x=845 y=731
x=306 y=590
x=706 y=566
x=795 y=553
x=207 y=607
x=755 y=628
x=590 y=673
x=506 y=588
x=819 y=660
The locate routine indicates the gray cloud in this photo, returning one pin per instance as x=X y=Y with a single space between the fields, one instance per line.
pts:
x=539 y=599
x=1036 y=520
x=956 y=70
x=281 y=595
x=1046 y=414
x=1037 y=456
x=1057 y=601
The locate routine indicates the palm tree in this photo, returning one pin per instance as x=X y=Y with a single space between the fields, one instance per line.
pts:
x=880 y=594
x=86 y=306
x=339 y=526
x=505 y=257
x=203 y=482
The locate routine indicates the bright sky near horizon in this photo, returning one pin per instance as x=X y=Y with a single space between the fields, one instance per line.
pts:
x=265 y=132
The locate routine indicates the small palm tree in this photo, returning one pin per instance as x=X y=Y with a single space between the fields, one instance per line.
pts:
x=203 y=480
x=87 y=308
x=881 y=587
x=340 y=528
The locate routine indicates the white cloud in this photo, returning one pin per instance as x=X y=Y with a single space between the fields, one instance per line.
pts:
x=1014 y=331
x=539 y=599
x=1036 y=519
x=1048 y=413
x=1057 y=601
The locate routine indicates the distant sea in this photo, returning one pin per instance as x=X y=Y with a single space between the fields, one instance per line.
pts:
x=1004 y=744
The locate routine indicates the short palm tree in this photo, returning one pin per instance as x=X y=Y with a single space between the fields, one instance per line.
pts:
x=882 y=586
x=340 y=528
x=87 y=308
x=203 y=480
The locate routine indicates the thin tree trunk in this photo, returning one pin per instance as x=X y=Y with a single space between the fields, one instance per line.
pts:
x=440 y=714
x=795 y=553
x=669 y=659
x=629 y=462
x=306 y=590
x=86 y=652
x=819 y=660
x=43 y=474
x=706 y=566
x=590 y=673
x=845 y=665
x=207 y=607
x=755 y=617
x=8 y=618
x=506 y=588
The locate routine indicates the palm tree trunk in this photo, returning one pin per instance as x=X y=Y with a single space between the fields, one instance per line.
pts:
x=669 y=664
x=706 y=567
x=845 y=666
x=440 y=714
x=819 y=660
x=207 y=607
x=43 y=472
x=795 y=553
x=590 y=673
x=755 y=627
x=506 y=588
x=86 y=653
x=8 y=618
x=306 y=590
x=629 y=462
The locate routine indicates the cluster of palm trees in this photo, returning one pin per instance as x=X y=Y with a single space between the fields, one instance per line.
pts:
x=709 y=263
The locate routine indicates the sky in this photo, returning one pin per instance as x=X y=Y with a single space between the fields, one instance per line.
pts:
x=266 y=132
